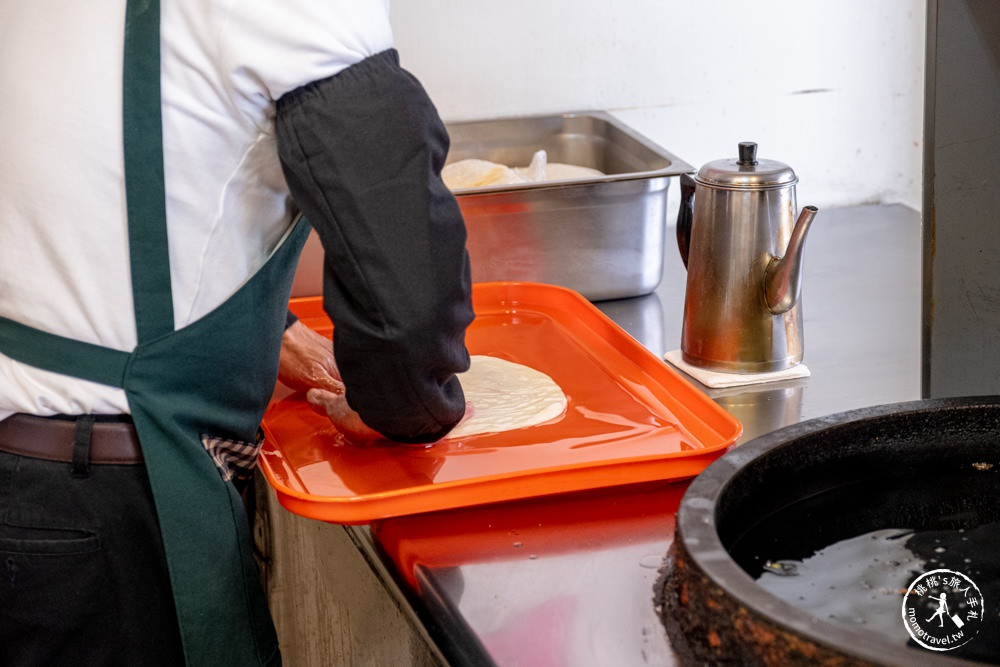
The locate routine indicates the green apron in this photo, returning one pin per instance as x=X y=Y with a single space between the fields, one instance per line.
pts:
x=212 y=378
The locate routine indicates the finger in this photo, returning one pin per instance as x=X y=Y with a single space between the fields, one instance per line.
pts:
x=334 y=406
x=323 y=402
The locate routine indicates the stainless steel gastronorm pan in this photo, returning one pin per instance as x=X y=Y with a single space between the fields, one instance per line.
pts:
x=602 y=236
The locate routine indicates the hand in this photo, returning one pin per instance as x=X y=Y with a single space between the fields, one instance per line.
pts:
x=307 y=360
x=334 y=405
x=307 y=364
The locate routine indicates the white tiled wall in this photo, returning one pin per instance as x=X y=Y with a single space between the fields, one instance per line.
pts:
x=834 y=89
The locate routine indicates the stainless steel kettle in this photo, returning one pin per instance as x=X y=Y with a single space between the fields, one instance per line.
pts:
x=742 y=247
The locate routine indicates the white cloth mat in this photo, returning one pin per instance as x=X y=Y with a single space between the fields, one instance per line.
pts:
x=717 y=380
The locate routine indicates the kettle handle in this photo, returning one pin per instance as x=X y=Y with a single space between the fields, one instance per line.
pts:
x=685 y=216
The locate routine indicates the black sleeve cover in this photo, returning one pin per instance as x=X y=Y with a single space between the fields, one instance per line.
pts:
x=362 y=153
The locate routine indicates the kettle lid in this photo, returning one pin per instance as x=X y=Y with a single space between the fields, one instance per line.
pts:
x=747 y=171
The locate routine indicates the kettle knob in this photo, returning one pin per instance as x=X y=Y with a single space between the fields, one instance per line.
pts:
x=748 y=153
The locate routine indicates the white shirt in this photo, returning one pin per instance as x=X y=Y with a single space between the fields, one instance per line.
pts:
x=63 y=238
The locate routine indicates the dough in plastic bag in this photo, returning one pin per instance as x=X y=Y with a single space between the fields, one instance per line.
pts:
x=474 y=173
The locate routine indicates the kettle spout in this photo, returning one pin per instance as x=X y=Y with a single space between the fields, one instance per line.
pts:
x=783 y=277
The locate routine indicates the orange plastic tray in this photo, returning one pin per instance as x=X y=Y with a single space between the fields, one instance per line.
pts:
x=630 y=418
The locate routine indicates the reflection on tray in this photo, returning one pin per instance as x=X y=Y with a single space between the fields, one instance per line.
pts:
x=540 y=527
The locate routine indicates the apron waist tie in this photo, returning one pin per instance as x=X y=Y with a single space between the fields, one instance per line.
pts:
x=113 y=441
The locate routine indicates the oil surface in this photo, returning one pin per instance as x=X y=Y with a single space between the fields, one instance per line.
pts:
x=860 y=582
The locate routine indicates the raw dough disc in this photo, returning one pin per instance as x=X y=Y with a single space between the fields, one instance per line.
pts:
x=505 y=396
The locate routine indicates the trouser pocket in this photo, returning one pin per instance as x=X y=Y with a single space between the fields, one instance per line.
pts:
x=48 y=578
x=24 y=540
x=46 y=565
x=47 y=568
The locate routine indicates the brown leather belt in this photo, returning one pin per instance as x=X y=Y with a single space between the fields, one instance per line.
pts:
x=51 y=439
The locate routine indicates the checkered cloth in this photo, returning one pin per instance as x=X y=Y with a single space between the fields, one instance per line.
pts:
x=235 y=459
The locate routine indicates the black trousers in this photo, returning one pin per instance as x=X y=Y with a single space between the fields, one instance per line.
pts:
x=83 y=578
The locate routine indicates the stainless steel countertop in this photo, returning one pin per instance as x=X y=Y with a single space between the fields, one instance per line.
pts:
x=588 y=600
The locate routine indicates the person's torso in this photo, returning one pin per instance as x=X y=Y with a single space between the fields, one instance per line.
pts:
x=64 y=264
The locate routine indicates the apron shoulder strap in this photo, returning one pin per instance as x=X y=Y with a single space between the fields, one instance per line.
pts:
x=144 y=188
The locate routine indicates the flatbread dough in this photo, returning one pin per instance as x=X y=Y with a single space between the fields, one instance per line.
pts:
x=505 y=396
x=473 y=173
